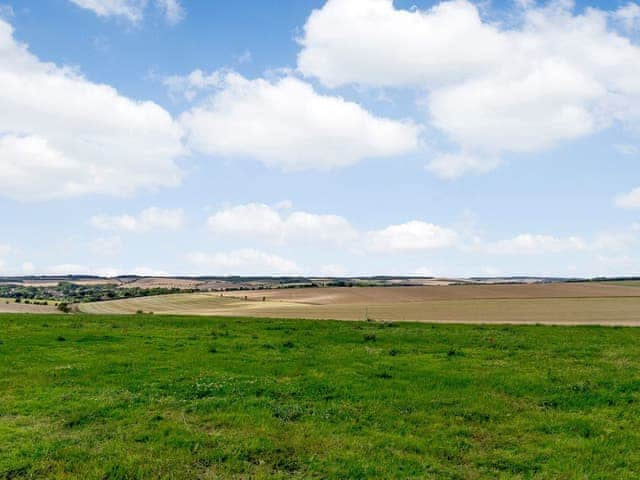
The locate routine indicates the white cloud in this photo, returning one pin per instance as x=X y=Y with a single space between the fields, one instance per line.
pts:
x=284 y=205
x=554 y=76
x=615 y=241
x=172 y=10
x=190 y=85
x=79 y=269
x=629 y=16
x=151 y=218
x=535 y=244
x=410 y=237
x=424 y=272
x=62 y=135
x=148 y=272
x=629 y=200
x=106 y=246
x=372 y=43
x=242 y=262
x=132 y=10
x=285 y=123
x=261 y=221
x=449 y=165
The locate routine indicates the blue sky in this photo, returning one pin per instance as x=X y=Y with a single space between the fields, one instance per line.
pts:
x=312 y=137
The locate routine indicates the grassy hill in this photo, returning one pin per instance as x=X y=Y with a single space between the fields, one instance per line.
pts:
x=148 y=396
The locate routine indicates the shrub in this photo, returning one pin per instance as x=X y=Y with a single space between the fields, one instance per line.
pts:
x=64 y=307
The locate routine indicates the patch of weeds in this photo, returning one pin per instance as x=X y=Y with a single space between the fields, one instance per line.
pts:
x=212 y=349
x=394 y=352
x=288 y=344
x=288 y=413
x=369 y=337
x=455 y=353
x=548 y=404
x=60 y=338
x=268 y=346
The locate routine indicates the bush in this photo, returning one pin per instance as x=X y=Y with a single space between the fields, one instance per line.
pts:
x=64 y=307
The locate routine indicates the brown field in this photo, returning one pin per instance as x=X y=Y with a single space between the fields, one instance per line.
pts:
x=342 y=295
x=10 y=306
x=549 y=303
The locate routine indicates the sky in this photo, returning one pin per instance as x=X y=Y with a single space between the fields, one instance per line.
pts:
x=304 y=137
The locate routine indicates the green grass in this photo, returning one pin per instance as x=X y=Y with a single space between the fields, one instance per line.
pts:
x=119 y=397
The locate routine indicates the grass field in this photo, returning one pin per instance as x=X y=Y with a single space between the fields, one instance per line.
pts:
x=551 y=303
x=141 y=396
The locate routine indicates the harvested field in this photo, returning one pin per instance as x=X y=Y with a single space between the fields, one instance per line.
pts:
x=10 y=306
x=550 y=304
x=341 y=295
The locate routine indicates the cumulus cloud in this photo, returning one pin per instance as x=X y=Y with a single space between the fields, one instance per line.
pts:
x=151 y=218
x=452 y=165
x=242 y=262
x=629 y=16
x=260 y=221
x=554 y=76
x=412 y=236
x=79 y=269
x=629 y=200
x=285 y=123
x=190 y=85
x=530 y=244
x=62 y=135
x=132 y=10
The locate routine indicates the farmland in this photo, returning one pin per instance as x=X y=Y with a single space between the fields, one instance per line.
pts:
x=93 y=396
x=558 y=303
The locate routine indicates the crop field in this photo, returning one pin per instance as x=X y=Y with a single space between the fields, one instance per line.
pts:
x=583 y=303
x=8 y=305
x=142 y=396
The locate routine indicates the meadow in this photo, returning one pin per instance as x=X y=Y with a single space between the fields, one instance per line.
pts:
x=151 y=396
